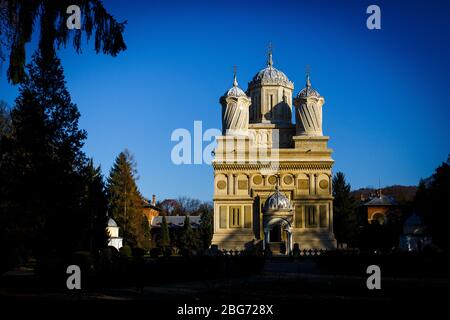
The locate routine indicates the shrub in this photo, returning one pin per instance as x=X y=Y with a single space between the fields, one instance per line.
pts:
x=138 y=252
x=167 y=252
x=155 y=252
x=125 y=251
x=82 y=258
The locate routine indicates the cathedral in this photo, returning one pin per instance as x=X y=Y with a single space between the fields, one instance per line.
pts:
x=272 y=178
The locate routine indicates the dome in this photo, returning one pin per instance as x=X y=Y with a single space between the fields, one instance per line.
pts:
x=111 y=223
x=308 y=91
x=271 y=75
x=277 y=201
x=235 y=91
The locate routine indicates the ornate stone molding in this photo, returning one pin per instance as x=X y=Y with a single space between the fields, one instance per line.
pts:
x=278 y=167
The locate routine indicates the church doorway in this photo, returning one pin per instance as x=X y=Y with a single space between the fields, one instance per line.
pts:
x=276 y=242
x=278 y=236
x=275 y=233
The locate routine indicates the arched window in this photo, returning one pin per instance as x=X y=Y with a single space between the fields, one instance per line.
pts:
x=380 y=217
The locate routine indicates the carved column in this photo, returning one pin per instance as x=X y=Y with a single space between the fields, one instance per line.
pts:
x=317 y=216
x=316 y=183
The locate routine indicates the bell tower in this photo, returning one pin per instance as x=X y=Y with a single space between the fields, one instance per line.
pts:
x=235 y=110
x=308 y=111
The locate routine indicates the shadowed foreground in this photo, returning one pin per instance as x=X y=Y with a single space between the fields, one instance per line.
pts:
x=288 y=285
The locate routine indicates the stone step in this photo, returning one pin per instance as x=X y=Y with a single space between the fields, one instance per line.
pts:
x=277 y=247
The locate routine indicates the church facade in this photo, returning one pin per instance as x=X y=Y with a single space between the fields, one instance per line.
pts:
x=272 y=178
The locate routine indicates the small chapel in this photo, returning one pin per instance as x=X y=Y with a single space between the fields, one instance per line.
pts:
x=272 y=177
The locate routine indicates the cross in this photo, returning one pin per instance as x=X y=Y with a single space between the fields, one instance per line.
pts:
x=308 y=82
x=235 y=83
x=269 y=55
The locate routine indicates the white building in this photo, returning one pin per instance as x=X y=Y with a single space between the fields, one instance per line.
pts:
x=113 y=231
x=415 y=236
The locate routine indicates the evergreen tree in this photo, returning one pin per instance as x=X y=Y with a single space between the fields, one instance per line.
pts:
x=431 y=202
x=189 y=237
x=41 y=166
x=95 y=203
x=125 y=200
x=145 y=226
x=18 y=20
x=344 y=209
x=206 y=225
x=164 y=240
x=5 y=120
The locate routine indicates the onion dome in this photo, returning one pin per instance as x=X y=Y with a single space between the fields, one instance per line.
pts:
x=111 y=223
x=277 y=201
x=308 y=91
x=235 y=91
x=271 y=76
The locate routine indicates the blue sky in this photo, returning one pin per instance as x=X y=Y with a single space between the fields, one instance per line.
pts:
x=387 y=96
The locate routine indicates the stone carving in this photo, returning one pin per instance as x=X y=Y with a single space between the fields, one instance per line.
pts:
x=270 y=75
x=277 y=201
x=261 y=137
x=323 y=184
x=272 y=179
x=221 y=185
x=235 y=118
x=257 y=179
x=288 y=179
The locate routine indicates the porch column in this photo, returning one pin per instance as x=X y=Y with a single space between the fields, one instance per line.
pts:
x=290 y=242
x=264 y=241
x=266 y=238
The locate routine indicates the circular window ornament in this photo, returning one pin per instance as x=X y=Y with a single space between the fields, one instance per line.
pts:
x=288 y=179
x=221 y=185
x=257 y=180
x=272 y=179
x=323 y=184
